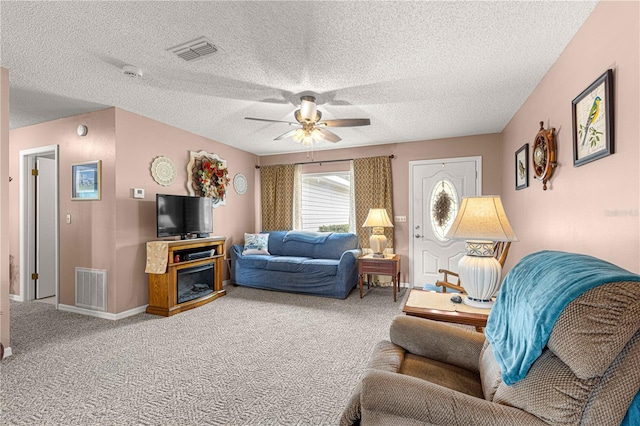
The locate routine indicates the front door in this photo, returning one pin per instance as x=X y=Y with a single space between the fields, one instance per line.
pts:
x=437 y=188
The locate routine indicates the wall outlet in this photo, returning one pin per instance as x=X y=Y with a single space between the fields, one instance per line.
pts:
x=399 y=218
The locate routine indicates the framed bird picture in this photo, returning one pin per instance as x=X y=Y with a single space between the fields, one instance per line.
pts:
x=593 y=121
x=522 y=167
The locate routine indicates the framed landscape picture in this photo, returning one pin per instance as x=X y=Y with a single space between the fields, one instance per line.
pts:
x=86 y=181
x=522 y=167
x=592 y=113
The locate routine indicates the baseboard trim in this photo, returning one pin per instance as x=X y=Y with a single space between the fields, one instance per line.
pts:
x=16 y=297
x=7 y=353
x=103 y=315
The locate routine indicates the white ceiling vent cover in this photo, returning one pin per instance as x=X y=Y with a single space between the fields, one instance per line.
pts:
x=195 y=49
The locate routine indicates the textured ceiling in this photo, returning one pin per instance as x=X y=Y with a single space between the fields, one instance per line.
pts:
x=418 y=70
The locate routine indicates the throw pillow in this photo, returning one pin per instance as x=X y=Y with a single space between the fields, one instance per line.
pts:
x=256 y=244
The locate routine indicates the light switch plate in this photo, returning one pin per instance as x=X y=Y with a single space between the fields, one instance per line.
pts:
x=400 y=218
x=138 y=193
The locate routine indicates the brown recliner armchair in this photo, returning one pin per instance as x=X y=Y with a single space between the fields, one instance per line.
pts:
x=432 y=373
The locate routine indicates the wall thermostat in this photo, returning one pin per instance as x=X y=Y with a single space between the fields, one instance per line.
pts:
x=138 y=193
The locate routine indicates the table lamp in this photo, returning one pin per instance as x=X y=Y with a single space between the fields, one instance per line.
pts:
x=378 y=219
x=481 y=221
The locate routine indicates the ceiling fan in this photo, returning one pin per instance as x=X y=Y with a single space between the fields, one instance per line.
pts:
x=309 y=127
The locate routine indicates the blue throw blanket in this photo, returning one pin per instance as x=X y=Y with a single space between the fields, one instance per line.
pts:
x=307 y=236
x=532 y=297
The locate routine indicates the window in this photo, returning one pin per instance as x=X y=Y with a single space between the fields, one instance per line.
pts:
x=326 y=201
x=443 y=207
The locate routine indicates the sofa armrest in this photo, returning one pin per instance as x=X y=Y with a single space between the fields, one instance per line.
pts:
x=438 y=341
x=392 y=398
x=236 y=251
x=347 y=267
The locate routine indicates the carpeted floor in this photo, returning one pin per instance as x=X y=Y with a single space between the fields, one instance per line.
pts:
x=252 y=357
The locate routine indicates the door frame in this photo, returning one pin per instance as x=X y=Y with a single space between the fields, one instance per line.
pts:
x=27 y=216
x=412 y=165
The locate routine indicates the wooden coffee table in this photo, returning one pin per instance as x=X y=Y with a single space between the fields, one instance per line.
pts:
x=438 y=307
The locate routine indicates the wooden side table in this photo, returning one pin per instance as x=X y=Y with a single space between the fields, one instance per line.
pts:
x=370 y=265
x=438 y=307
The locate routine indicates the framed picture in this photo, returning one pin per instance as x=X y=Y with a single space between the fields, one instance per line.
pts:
x=86 y=181
x=593 y=121
x=522 y=167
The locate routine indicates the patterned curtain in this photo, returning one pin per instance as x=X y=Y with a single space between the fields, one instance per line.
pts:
x=373 y=189
x=277 y=186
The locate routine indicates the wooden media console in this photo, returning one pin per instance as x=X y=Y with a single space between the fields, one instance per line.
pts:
x=170 y=262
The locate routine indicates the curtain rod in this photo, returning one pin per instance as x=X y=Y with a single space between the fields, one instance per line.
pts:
x=327 y=161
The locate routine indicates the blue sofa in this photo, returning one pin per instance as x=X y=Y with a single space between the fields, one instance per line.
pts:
x=318 y=263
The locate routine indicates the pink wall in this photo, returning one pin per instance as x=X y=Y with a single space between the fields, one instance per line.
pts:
x=89 y=240
x=591 y=209
x=139 y=141
x=486 y=146
x=111 y=234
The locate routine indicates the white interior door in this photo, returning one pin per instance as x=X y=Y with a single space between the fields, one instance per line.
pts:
x=457 y=178
x=45 y=228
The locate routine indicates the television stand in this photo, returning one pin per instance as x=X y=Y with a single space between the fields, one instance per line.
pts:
x=174 y=288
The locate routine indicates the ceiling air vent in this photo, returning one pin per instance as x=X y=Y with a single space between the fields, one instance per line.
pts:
x=195 y=49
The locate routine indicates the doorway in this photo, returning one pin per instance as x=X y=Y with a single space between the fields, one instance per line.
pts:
x=39 y=224
x=431 y=183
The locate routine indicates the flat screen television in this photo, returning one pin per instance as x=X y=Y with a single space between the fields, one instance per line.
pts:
x=180 y=215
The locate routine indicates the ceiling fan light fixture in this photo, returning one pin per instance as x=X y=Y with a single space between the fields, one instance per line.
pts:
x=307 y=141
x=307 y=110
x=298 y=135
x=317 y=136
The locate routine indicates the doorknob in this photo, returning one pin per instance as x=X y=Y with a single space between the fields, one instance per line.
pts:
x=418 y=236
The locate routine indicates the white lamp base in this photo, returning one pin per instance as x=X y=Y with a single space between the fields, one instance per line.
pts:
x=378 y=242
x=482 y=304
x=479 y=274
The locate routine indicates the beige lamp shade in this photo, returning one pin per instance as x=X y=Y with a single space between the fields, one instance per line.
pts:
x=481 y=218
x=376 y=218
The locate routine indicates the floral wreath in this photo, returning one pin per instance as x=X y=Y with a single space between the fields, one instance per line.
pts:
x=209 y=177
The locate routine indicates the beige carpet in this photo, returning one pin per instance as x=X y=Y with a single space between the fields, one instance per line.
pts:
x=253 y=357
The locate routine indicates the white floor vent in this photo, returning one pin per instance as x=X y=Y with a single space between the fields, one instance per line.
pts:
x=91 y=289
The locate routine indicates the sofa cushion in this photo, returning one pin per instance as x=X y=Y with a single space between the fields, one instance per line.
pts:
x=317 y=267
x=321 y=267
x=256 y=244
x=593 y=329
x=286 y=263
x=443 y=374
x=254 y=261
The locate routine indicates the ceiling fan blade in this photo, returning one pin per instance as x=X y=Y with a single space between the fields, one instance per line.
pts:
x=329 y=136
x=286 y=135
x=271 y=121
x=346 y=122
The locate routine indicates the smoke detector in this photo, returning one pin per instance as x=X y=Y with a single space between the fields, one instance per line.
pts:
x=132 y=71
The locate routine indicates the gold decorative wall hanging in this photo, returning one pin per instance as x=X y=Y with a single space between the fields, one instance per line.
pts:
x=207 y=176
x=544 y=155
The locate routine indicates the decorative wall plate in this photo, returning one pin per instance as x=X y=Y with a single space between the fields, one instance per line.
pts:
x=240 y=183
x=163 y=171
